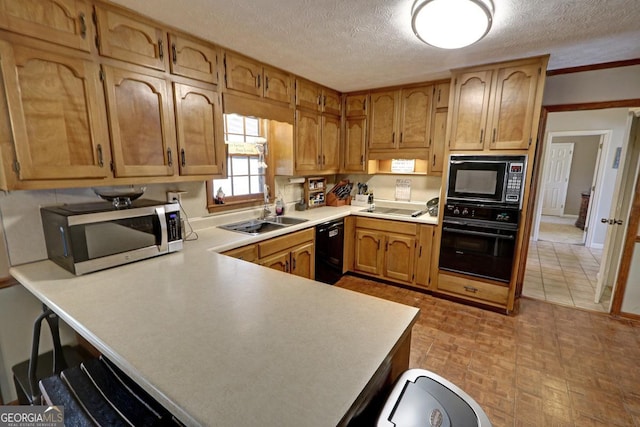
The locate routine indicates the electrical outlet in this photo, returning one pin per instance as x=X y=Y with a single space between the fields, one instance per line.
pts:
x=174 y=196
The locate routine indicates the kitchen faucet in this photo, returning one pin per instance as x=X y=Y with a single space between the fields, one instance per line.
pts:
x=266 y=212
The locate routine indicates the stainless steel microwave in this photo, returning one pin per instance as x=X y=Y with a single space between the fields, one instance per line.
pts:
x=486 y=179
x=83 y=238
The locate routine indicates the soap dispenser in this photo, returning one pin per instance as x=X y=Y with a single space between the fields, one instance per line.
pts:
x=279 y=205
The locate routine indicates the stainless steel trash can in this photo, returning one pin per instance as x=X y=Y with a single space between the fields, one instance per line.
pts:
x=422 y=398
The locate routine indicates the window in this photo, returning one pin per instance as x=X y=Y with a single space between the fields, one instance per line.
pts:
x=246 y=163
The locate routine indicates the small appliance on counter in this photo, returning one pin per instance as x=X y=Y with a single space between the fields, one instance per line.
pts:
x=87 y=237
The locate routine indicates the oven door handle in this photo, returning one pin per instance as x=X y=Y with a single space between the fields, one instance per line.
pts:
x=164 y=239
x=479 y=233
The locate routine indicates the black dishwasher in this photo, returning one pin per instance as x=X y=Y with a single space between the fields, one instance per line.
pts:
x=329 y=249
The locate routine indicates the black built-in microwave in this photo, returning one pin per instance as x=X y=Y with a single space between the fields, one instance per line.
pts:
x=486 y=179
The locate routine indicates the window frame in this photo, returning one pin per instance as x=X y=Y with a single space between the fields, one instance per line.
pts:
x=247 y=200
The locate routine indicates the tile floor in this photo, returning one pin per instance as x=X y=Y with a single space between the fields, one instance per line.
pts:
x=562 y=272
x=560 y=229
x=548 y=365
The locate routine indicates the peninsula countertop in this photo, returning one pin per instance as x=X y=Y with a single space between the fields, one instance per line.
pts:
x=219 y=341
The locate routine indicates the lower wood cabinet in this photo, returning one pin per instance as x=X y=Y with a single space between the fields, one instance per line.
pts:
x=387 y=249
x=292 y=253
x=474 y=290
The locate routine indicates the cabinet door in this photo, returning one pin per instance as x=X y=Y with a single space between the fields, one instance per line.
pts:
x=470 y=110
x=442 y=95
x=129 y=39
x=277 y=85
x=415 y=117
x=193 y=59
x=399 y=257
x=247 y=253
x=57 y=114
x=64 y=22
x=513 y=105
x=438 y=139
x=423 y=257
x=279 y=261
x=356 y=105
x=307 y=149
x=242 y=74
x=303 y=259
x=199 y=130
x=368 y=256
x=330 y=144
x=141 y=124
x=308 y=95
x=331 y=102
x=382 y=120
x=354 y=144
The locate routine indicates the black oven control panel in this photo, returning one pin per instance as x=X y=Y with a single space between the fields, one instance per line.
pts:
x=482 y=213
x=515 y=178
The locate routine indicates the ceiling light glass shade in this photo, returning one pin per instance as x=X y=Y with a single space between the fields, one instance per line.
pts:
x=451 y=24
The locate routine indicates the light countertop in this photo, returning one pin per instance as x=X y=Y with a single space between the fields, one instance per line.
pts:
x=219 y=341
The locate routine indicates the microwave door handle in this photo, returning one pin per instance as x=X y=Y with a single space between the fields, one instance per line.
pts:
x=164 y=240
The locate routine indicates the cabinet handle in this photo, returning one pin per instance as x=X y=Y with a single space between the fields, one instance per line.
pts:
x=401 y=135
x=493 y=138
x=319 y=159
x=378 y=244
x=362 y=159
x=324 y=160
x=471 y=289
x=293 y=264
x=434 y=160
x=266 y=83
x=183 y=158
x=420 y=254
x=286 y=266
x=393 y=137
x=324 y=101
x=160 y=49
x=258 y=79
x=169 y=157
x=174 y=53
x=439 y=90
x=319 y=99
x=100 y=159
x=481 y=135
x=83 y=26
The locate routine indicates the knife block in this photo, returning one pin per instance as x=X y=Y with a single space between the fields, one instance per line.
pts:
x=332 y=200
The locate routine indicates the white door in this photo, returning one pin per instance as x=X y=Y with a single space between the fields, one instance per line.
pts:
x=557 y=178
x=620 y=210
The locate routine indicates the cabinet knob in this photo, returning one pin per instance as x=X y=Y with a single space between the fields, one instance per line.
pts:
x=174 y=53
x=83 y=26
x=169 y=157
x=160 y=49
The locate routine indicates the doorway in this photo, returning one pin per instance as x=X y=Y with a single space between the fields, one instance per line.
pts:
x=567 y=272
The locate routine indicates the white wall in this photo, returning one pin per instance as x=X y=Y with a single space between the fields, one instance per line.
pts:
x=593 y=86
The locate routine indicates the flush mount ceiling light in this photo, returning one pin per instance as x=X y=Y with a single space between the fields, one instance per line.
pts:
x=451 y=24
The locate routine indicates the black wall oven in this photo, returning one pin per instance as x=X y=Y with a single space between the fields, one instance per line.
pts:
x=479 y=240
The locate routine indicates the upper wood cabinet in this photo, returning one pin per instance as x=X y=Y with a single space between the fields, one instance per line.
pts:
x=141 y=122
x=315 y=97
x=56 y=109
x=400 y=119
x=64 y=22
x=245 y=75
x=441 y=95
x=317 y=143
x=193 y=59
x=497 y=107
x=383 y=120
x=355 y=143
x=130 y=39
x=199 y=130
x=356 y=105
x=438 y=142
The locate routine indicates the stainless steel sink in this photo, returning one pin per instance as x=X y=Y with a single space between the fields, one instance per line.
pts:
x=286 y=220
x=259 y=226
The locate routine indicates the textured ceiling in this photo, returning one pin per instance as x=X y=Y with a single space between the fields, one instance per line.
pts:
x=360 y=44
